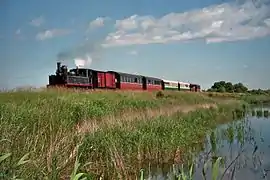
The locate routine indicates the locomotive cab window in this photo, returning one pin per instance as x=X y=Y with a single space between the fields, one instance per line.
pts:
x=82 y=72
x=78 y=72
x=72 y=72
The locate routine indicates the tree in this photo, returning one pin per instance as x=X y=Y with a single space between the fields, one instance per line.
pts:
x=223 y=86
x=259 y=92
x=221 y=89
x=218 y=85
x=229 y=87
x=240 y=88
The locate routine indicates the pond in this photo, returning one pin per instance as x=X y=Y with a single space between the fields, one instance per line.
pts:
x=244 y=148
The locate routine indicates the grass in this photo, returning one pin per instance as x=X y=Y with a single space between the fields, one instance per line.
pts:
x=159 y=140
x=247 y=97
x=122 y=131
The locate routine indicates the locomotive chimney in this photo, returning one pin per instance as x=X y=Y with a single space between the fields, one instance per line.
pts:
x=77 y=71
x=58 y=69
x=58 y=66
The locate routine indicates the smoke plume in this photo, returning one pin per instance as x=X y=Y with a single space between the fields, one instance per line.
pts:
x=90 y=51
x=79 y=62
x=83 y=54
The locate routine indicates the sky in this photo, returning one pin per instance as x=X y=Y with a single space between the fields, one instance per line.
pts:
x=196 y=41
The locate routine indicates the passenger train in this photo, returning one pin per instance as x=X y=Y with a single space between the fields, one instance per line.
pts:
x=94 y=79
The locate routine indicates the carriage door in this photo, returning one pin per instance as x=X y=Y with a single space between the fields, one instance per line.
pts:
x=144 y=83
x=117 y=80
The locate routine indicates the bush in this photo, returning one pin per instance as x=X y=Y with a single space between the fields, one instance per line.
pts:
x=159 y=94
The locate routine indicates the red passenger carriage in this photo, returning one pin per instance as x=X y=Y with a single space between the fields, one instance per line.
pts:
x=150 y=83
x=127 y=81
x=195 y=87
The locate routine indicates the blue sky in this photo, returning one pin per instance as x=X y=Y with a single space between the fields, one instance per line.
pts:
x=200 y=41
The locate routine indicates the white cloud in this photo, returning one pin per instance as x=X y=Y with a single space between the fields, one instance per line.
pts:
x=133 y=52
x=98 y=22
x=37 y=21
x=217 y=23
x=128 y=23
x=51 y=34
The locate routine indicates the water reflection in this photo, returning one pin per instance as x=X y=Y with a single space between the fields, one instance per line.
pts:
x=244 y=146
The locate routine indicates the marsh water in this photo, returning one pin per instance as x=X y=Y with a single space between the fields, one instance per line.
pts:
x=243 y=144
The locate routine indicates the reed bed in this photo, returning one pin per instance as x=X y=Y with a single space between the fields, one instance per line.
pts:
x=39 y=129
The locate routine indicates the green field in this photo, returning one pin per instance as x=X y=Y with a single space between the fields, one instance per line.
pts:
x=112 y=134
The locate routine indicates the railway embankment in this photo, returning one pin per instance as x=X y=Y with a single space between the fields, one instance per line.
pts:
x=110 y=133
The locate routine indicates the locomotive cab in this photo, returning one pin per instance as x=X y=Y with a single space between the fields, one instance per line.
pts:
x=79 y=77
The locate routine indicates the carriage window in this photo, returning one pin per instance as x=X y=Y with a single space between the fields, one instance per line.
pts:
x=136 y=80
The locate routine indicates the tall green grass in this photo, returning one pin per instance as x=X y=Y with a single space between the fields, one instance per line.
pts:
x=42 y=125
x=155 y=141
x=256 y=99
x=212 y=165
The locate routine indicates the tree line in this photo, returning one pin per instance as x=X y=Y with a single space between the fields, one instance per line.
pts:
x=228 y=87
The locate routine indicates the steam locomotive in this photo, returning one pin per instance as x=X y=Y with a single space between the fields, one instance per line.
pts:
x=94 y=79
